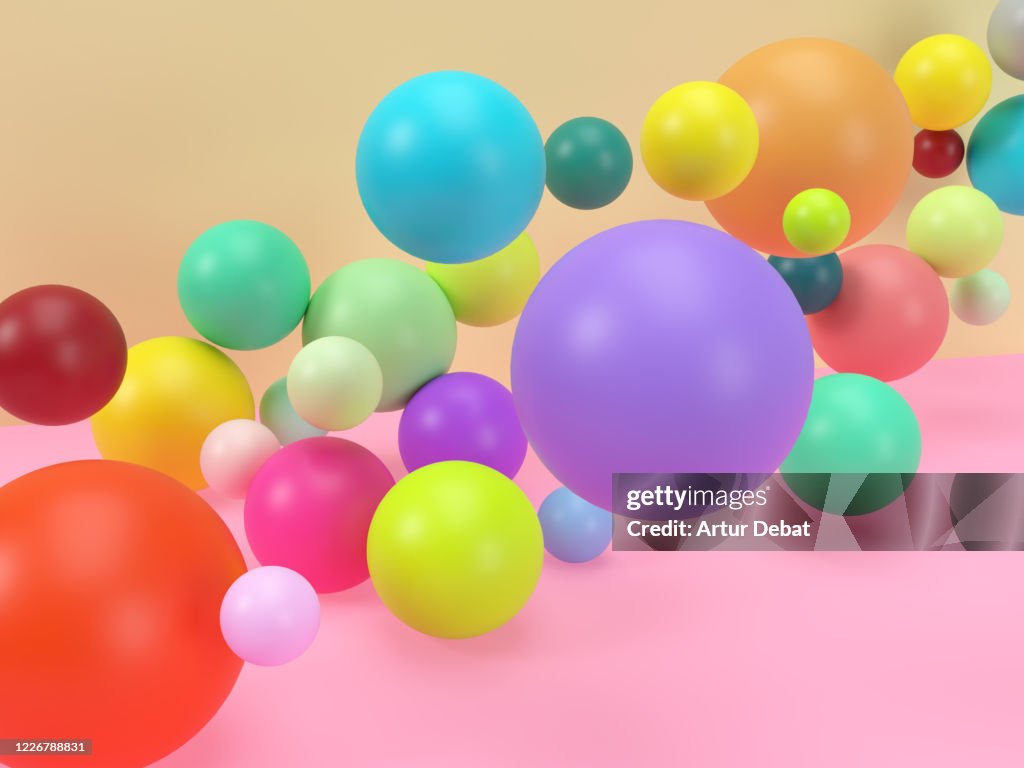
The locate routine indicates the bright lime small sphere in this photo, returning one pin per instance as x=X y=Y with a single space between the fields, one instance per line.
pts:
x=589 y=163
x=243 y=285
x=455 y=549
x=981 y=298
x=335 y=383
x=816 y=221
x=858 y=449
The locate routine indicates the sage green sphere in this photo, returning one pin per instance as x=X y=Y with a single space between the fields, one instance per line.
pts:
x=397 y=312
x=334 y=383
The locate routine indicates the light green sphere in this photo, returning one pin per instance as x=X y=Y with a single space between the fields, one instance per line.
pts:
x=981 y=298
x=335 y=383
x=957 y=230
x=277 y=413
x=397 y=312
x=243 y=285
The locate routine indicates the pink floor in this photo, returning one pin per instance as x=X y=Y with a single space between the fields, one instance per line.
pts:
x=711 y=659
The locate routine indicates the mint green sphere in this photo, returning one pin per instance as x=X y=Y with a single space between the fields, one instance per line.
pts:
x=397 y=312
x=243 y=285
x=859 y=448
x=278 y=413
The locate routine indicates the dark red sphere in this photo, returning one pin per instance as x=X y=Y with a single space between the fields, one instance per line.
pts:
x=938 y=153
x=62 y=354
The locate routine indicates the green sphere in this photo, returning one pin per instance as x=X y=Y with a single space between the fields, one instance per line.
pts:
x=279 y=415
x=243 y=285
x=589 y=162
x=859 y=448
x=816 y=222
x=397 y=312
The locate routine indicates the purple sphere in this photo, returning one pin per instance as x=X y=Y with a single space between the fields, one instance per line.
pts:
x=660 y=346
x=462 y=417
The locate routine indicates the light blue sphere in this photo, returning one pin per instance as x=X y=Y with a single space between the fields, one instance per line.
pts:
x=995 y=155
x=575 y=530
x=450 y=167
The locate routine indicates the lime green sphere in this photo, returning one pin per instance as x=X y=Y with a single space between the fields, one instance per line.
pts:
x=243 y=285
x=455 y=549
x=816 y=222
x=394 y=310
x=492 y=290
x=859 y=448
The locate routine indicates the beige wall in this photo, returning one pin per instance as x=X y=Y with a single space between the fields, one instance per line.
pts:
x=126 y=128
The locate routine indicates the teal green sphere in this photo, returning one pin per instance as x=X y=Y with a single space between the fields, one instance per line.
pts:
x=243 y=285
x=859 y=448
x=589 y=163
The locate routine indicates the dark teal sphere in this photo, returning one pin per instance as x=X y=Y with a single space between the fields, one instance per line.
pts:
x=815 y=281
x=589 y=162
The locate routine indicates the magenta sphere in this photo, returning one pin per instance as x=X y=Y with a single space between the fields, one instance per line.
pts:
x=462 y=417
x=309 y=509
x=660 y=346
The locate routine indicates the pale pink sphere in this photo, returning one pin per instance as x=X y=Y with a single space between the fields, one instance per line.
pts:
x=233 y=452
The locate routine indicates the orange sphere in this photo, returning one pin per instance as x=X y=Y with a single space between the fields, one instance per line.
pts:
x=830 y=117
x=111 y=580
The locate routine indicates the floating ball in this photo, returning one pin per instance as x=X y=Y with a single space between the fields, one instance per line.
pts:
x=62 y=355
x=397 y=312
x=995 y=155
x=575 y=531
x=277 y=413
x=455 y=549
x=270 y=616
x=1006 y=37
x=113 y=576
x=859 y=448
x=335 y=383
x=946 y=80
x=450 y=167
x=816 y=221
x=492 y=290
x=981 y=298
x=175 y=391
x=699 y=140
x=589 y=163
x=889 y=319
x=462 y=417
x=830 y=117
x=644 y=349
x=938 y=154
x=815 y=281
x=309 y=507
x=233 y=452
x=957 y=230
x=243 y=285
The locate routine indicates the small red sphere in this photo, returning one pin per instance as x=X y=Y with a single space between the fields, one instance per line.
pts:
x=938 y=153
x=62 y=354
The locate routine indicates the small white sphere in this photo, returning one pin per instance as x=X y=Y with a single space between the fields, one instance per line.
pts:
x=233 y=452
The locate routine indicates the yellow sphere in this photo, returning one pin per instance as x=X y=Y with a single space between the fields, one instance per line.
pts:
x=175 y=391
x=699 y=140
x=493 y=290
x=946 y=80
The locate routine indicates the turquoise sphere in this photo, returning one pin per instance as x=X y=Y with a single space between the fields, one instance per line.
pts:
x=243 y=285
